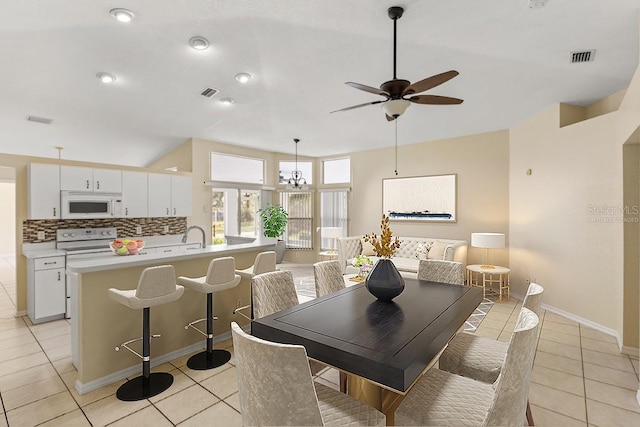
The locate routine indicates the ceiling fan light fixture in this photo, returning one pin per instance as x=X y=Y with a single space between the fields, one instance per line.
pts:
x=395 y=107
x=198 y=43
x=226 y=101
x=122 y=15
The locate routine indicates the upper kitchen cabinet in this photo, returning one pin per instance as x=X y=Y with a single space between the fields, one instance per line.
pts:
x=134 y=194
x=76 y=178
x=43 y=182
x=169 y=195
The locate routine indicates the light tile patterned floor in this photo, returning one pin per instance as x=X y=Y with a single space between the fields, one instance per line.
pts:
x=579 y=377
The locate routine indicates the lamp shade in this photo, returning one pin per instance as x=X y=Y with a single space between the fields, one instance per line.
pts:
x=487 y=240
x=331 y=232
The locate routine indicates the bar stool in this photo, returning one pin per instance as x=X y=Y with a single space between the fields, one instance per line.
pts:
x=265 y=262
x=157 y=285
x=220 y=276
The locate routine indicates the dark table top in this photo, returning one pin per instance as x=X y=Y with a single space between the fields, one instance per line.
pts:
x=389 y=343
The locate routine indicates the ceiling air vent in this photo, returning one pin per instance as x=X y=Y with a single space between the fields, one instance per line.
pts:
x=37 y=119
x=209 y=92
x=583 y=56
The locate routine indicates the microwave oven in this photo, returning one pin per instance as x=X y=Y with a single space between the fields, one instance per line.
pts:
x=87 y=205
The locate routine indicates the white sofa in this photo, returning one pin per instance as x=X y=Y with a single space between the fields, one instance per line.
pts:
x=405 y=258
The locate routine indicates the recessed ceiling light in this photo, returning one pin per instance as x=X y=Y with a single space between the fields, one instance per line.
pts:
x=226 y=101
x=243 y=77
x=106 y=77
x=122 y=15
x=198 y=43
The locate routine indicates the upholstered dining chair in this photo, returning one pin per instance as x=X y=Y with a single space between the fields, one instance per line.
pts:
x=482 y=358
x=443 y=398
x=276 y=388
x=328 y=277
x=434 y=270
x=271 y=292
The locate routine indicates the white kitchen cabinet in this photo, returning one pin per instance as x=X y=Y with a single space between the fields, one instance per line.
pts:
x=43 y=183
x=134 y=194
x=181 y=195
x=77 y=178
x=169 y=195
x=46 y=288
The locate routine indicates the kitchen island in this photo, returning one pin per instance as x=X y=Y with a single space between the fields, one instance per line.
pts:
x=99 y=324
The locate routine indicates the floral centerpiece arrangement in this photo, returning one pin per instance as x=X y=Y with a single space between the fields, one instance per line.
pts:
x=364 y=263
x=385 y=246
x=384 y=281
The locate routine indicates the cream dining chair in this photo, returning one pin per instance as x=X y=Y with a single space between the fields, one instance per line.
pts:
x=328 y=277
x=443 y=398
x=434 y=270
x=276 y=388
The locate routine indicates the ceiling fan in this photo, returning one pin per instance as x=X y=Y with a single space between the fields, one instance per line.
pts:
x=400 y=93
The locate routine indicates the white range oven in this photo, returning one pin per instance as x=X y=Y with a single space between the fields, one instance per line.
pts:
x=84 y=243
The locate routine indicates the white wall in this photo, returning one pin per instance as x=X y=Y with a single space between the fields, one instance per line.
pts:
x=576 y=255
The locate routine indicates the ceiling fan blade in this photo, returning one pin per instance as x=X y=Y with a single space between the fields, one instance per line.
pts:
x=435 y=100
x=358 y=106
x=430 y=82
x=368 y=89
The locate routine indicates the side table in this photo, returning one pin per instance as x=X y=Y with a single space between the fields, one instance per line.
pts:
x=498 y=275
x=327 y=255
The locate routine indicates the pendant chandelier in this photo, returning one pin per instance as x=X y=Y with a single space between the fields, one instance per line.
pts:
x=297 y=182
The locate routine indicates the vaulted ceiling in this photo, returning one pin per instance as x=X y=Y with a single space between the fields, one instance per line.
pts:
x=513 y=61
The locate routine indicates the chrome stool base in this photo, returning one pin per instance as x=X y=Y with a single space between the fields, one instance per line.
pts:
x=141 y=388
x=208 y=360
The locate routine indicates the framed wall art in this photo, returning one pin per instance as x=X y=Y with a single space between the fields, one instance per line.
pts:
x=421 y=198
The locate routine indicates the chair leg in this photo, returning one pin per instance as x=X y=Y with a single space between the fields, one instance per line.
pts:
x=529 y=414
x=343 y=382
x=148 y=384
x=210 y=358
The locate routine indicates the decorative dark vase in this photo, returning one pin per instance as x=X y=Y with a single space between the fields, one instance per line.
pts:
x=384 y=281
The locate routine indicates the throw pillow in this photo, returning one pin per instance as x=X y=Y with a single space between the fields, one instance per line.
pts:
x=367 y=248
x=438 y=250
x=422 y=250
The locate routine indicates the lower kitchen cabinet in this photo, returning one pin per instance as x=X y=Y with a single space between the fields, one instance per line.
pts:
x=46 y=288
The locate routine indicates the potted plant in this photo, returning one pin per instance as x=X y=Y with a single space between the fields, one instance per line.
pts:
x=274 y=220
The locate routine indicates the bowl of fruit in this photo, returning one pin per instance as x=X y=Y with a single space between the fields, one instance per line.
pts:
x=126 y=246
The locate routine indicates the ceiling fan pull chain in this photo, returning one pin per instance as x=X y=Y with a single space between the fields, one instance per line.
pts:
x=396 y=122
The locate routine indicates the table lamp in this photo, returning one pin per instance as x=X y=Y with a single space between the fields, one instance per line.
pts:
x=487 y=241
x=331 y=233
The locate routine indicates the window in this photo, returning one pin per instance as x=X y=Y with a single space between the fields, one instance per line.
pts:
x=336 y=171
x=225 y=167
x=286 y=168
x=333 y=213
x=299 y=222
x=234 y=213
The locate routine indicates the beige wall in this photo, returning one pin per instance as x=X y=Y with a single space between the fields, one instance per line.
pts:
x=482 y=165
x=7 y=218
x=553 y=236
x=631 y=318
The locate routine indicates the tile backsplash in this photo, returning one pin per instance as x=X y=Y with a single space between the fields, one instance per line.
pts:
x=126 y=227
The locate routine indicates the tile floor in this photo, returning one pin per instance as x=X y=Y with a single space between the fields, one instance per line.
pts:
x=579 y=377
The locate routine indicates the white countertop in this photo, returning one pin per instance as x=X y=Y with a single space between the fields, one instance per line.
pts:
x=117 y=261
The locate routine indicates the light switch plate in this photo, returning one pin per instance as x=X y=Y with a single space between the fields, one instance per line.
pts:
x=138 y=230
x=166 y=229
x=40 y=235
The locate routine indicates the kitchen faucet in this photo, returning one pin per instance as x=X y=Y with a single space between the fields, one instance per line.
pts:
x=204 y=236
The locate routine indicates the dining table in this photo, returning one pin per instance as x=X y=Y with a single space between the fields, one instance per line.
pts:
x=384 y=347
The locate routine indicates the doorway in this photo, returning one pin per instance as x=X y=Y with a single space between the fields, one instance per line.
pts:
x=7 y=242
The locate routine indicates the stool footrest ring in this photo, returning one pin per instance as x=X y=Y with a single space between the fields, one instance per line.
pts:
x=126 y=345
x=191 y=325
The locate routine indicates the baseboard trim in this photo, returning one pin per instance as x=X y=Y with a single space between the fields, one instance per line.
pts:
x=630 y=351
x=21 y=313
x=586 y=322
x=84 y=388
